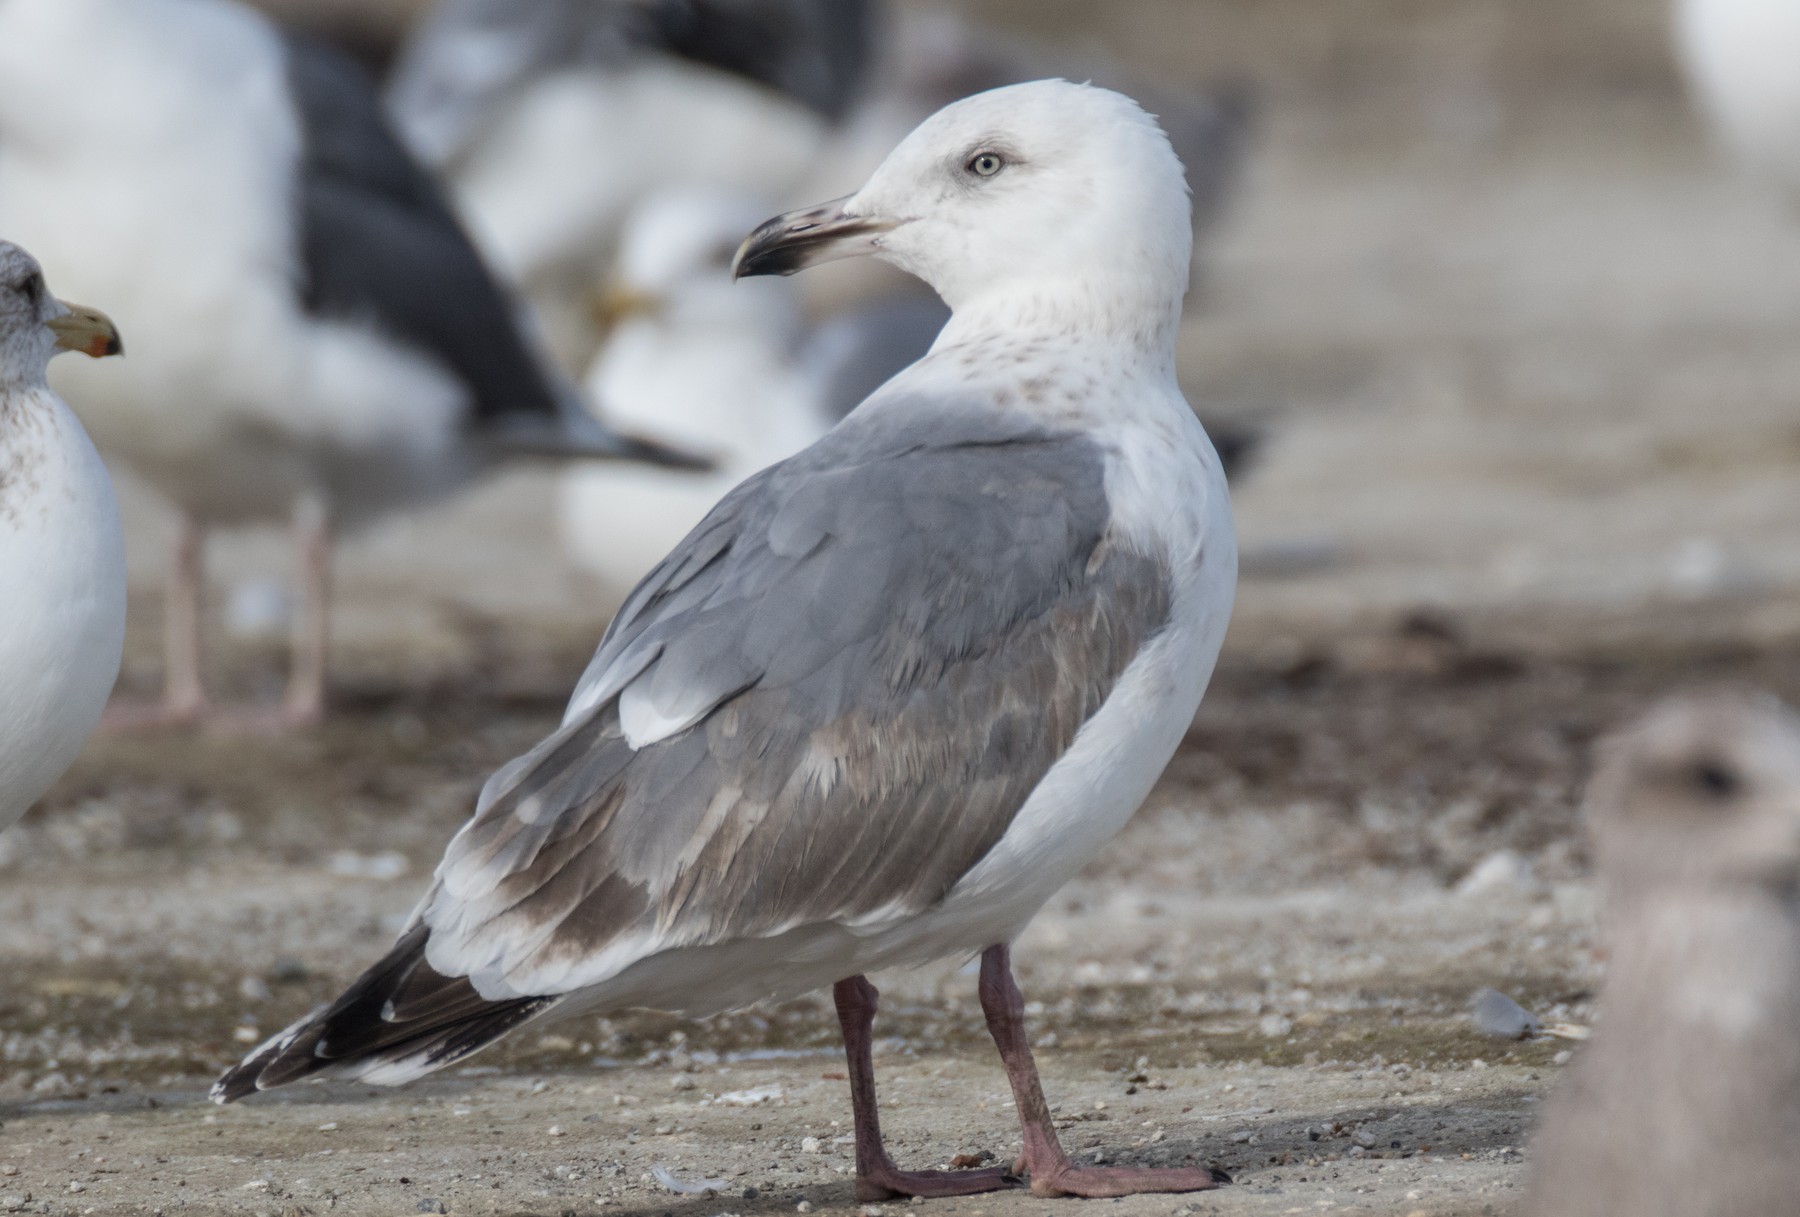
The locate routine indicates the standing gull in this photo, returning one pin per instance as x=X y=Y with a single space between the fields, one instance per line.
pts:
x=315 y=339
x=1687 y=1101
x=893 y=692
x=62 y=559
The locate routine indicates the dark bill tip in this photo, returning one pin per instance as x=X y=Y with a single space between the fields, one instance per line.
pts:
x=87 y=330
x=796 y=240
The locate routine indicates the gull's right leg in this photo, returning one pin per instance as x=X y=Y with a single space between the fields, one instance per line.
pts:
x=877 y=1178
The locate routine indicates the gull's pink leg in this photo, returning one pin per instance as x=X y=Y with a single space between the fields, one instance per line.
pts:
x=305 y=702
x=1052 y=1174
x=184 y=696
x=877 y=1178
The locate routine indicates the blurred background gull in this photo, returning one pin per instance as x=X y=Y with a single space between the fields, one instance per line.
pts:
x=697 y=361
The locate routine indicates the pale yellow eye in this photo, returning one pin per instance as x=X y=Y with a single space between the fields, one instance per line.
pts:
x=986 y=164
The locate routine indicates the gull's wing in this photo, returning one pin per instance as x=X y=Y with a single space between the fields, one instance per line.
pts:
x=825 y=706
x=822 y=709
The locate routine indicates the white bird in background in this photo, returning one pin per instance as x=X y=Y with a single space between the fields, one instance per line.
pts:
x=1743 y=60
x=695 y=362
x=62 y=554
x=495 y=94
x=894 y=691
x=315 y=339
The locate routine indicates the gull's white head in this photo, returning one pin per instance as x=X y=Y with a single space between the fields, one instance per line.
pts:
x=1039 y=190
x=34 y=325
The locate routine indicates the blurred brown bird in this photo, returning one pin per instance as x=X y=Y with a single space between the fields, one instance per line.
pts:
x=1687 y=1101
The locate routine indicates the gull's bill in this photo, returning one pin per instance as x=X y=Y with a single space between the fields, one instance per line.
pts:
x=795 y=240
x=87 y=330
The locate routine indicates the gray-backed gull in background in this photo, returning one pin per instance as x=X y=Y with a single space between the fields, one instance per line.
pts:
x=551 y=119
x=62 y=558
x=1687 y=1101
x=315 y=340
x=893 y=692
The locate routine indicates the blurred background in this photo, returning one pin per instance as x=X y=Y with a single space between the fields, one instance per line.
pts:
x=1512 y=338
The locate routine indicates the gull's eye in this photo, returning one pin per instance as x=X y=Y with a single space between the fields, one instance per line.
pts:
x=1717 y=779
x=33 y=287
x=986 y=164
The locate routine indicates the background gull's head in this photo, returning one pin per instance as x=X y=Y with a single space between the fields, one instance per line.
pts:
x=34 y=325
x=1012 y=191
x=1702 y=790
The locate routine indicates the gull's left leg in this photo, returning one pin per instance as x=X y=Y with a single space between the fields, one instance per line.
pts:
x=305 y=701
x=877 y=1178
x=1052 y=1174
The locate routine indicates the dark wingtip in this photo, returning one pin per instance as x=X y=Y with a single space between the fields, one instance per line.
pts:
x=634 y=448
x=233 y=1085
x=589 y=439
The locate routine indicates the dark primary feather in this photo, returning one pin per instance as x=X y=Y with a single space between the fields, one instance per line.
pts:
x=378 y=243
x=884 y=643
x=397 y=1008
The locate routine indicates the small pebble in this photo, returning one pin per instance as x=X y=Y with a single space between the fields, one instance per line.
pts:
x=1499 y=1015
x=805 y=1206
x=432 y=1206
x=556 y=1130
x=811 y=1145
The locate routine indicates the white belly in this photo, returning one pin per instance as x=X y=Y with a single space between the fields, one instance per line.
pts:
x=62 y=611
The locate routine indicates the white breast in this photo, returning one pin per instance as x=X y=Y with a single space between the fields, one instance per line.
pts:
x=62 y=617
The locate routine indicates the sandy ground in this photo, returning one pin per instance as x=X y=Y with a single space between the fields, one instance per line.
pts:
x=1268 y=972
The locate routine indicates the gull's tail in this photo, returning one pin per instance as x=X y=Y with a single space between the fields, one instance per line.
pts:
x=400 y=1020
